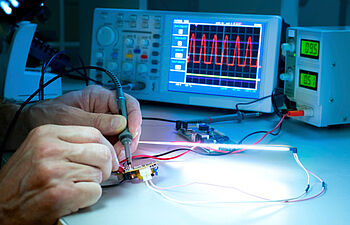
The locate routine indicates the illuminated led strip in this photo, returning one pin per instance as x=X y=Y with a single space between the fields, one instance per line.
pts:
x=223 y=146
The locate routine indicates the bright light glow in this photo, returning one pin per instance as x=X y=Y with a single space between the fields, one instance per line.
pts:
x=220 y=146
x=5 y=6
x=14 y=3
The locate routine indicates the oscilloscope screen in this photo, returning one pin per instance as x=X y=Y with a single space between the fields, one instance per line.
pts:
x=218 y=58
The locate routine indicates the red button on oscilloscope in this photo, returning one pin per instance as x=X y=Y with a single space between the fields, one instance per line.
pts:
x=144 y=56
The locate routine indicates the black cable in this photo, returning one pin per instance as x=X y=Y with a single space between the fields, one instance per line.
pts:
x=46 y=64
x=18 y=112
x=192 y=150
x=159 y=119
x=276 y=92
x=261 y=132
x=252 y=102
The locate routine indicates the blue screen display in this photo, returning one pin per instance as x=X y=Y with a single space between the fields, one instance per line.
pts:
x=216 y=57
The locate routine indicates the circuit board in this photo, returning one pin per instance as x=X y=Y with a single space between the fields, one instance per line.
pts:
x=202 y=133
x=142 y=173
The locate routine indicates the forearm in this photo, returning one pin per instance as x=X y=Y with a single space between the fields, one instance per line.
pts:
x=19 y=131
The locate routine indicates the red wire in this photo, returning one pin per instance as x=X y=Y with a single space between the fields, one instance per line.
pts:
x=152 y=157
x=257 y=142
x=217 y=150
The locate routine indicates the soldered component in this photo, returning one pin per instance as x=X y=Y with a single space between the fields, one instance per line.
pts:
x=143 y=172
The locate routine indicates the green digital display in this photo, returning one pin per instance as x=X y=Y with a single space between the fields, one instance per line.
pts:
x=308 y=79
x=310 y=49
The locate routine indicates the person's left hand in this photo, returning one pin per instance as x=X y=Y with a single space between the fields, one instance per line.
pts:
x=93 y=106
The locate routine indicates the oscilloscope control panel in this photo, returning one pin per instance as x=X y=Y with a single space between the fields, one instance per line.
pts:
x=202 y=59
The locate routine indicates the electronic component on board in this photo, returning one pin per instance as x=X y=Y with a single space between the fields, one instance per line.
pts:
x=202 y=133
x=142 y=173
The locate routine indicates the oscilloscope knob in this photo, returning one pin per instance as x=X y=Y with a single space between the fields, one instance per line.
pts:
x=145 y=42
x=106 y=36
x=129 y=42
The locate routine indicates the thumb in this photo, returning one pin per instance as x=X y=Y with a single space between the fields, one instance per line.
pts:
x=108 y=124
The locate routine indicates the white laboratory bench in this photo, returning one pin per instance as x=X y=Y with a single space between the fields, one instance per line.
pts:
x=324 y=151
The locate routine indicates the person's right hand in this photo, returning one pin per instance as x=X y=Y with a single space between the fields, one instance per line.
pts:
x=56 y=171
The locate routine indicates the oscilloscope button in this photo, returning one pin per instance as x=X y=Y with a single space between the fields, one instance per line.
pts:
x=126 y=67
x=156 y=36
x=157 y=25
x=155 y=53
x=112 y=66
x=155 y=62
x=155 y=44
x=142 y=68
x=154 y=71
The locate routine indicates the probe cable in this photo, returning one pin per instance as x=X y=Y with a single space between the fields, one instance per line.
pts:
x=48 y=62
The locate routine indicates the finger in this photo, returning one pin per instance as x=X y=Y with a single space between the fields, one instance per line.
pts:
x=107 y=124
x=115 y=162
x=88 y=193
x=135 y=142
x=134 y=114
x=92 y=154
x=83 y=173
x=78 y=134
x=81 y=134
x=119 y=148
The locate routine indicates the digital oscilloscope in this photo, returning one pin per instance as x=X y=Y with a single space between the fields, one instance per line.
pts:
x=206 y=59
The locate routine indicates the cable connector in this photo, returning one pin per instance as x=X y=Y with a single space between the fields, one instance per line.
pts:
x=294 y=150
x=297 y=113
x=307 y=188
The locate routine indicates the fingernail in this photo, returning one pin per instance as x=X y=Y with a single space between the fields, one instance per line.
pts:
x=118 y=123
x=116 y=165
x=121 y=155
x=135 y=133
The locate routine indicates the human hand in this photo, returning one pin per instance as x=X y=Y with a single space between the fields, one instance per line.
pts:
x=93 y=106
x=56 y=171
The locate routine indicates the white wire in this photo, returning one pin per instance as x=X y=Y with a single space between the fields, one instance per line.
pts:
x=301 y=165
x=149 y=184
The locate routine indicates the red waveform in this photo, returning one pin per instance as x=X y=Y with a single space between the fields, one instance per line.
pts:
x=225 y=47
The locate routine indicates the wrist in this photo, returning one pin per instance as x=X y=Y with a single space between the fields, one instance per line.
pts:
x=18 y=130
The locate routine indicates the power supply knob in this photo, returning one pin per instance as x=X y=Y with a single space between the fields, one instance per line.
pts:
x=127 y=67
x=129 y=42
x=287 y=47
x=289 y=76
x=142 y=68
x=145 y=42
x=106 y=36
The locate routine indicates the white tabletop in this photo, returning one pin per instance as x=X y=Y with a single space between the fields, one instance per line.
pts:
x=275 y=175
